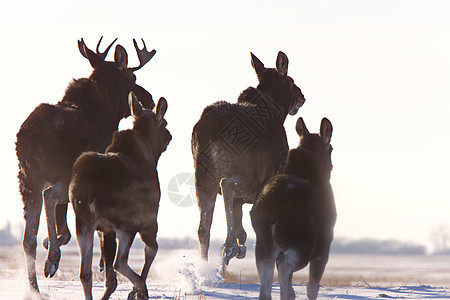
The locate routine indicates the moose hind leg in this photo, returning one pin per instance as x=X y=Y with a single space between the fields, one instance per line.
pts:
x=151 y=248
x=241 y=235
x=316 y=269
x=85 y=239
x=287 y=263
x=229 y=187
x=108 y=253
x=121 y=265
x=61 y=224
x=265 y=264
x=52 y=197
x=206 y=202
x=32 y=212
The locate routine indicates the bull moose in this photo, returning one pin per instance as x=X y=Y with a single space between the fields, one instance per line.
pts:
x=237 y=147
x=53 y=136
x=294 y=215
x=118 y=193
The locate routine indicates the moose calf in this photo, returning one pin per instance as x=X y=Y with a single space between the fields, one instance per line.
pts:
x=118 y=193
x=294 y=215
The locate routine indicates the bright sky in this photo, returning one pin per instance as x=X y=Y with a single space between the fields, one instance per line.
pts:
x=379 y=70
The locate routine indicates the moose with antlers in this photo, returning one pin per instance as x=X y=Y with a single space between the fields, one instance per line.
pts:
x=53 y=136
x=238 y=147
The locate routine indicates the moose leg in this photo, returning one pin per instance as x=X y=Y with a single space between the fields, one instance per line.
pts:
x=32 y=211
x=151 y=247
x=62 y=231
x=101 y=263
x=240 y=232
x=52 y=197
x=230 y=248
x=287 y=263
x=316 y=269
x=108 y=253
x=206 y=202
x=85 y=239
x=265 y=263
x=121 y=265
x=61 y=223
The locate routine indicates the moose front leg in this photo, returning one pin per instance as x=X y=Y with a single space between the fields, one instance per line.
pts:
x=52 y=196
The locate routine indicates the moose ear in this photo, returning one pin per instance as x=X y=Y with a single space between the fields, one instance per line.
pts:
x=282 y=63
x=161 y=108
x=257 y=65
x=301 y=128
x=121 y=58
x=93 y=58
x=326 y=130
x=135 y=105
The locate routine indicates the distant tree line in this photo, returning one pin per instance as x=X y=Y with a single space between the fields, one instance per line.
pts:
x=441 y=242
x=7 y=238
x=372 y=246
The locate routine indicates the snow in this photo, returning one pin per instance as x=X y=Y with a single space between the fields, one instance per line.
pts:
x=180 y=274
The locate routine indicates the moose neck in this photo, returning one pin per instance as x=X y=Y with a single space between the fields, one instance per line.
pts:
x=279 y=100
x=269 y=104
x=131 y=143
x=302 y=163
x=116 y=92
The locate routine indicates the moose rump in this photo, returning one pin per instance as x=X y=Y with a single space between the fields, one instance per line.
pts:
x=118 y=193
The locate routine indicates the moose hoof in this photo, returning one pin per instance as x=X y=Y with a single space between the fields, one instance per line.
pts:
x=228 y=252
x=241 y=252
x=137 y=295
x=50 y=268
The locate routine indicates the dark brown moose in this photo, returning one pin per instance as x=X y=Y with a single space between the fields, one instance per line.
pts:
x=53 y=136
x=238 y=147
x=118 y=193
x=294 y=215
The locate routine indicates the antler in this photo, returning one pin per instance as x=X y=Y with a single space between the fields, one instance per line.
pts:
x=103 y=55
x=143 y=55
x=82 y=45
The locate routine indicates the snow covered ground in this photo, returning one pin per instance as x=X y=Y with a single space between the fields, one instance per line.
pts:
x=180 y=274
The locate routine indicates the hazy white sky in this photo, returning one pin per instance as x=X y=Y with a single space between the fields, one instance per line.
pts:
x=379 y=70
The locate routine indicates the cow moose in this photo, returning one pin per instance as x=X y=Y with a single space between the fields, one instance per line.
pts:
x=53 y=136
x=118 y=193
x=294 y=215
x=237 y=147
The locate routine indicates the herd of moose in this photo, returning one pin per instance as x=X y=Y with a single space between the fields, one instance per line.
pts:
x=73 y=152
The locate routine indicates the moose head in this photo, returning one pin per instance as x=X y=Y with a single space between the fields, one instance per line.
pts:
x=270 y=77
x=318 y=144
x=118 y=71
